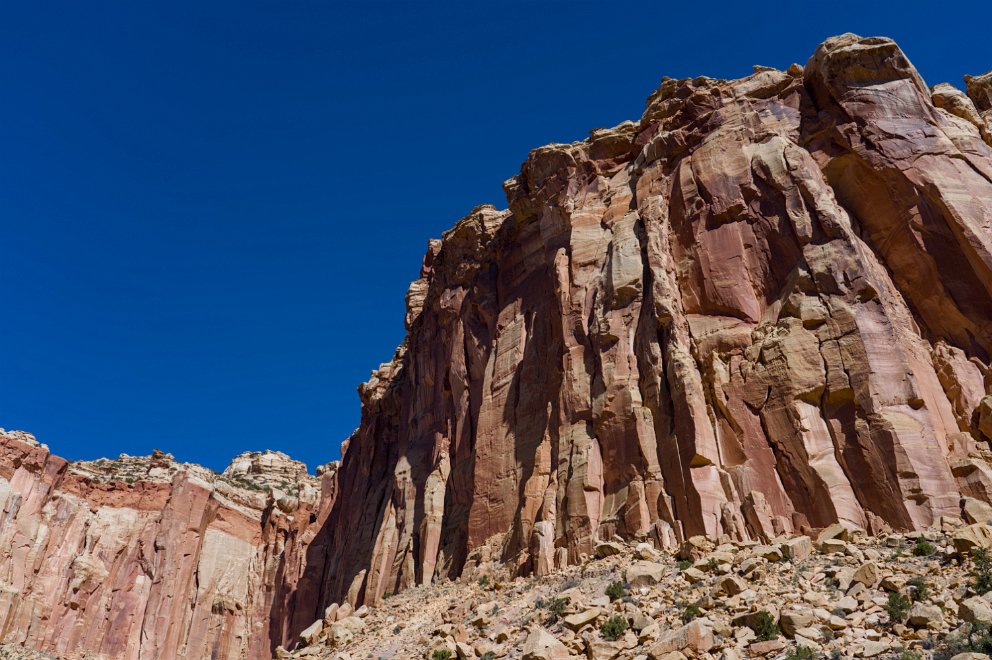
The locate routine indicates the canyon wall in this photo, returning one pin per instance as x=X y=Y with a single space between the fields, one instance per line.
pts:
x=145 y=558
x=764 y=307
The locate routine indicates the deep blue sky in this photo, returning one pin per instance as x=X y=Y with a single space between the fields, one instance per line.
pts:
x=210 y=212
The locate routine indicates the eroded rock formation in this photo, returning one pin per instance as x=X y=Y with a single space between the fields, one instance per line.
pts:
x=143 y=557
x=764 y=307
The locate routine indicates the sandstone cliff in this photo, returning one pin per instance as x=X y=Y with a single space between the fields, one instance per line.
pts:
x=764 y=307
x=143 y=557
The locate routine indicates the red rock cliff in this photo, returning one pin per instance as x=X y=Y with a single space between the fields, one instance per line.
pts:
x=765 y=306
x=145 y=558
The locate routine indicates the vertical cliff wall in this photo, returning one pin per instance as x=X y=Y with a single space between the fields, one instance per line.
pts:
x=765 y=306
x=144 y=558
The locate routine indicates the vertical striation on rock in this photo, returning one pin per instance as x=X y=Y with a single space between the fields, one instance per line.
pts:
x=764 y=307
x=143 y=557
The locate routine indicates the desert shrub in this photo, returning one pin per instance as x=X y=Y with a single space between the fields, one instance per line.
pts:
x=923 y=548
x=764 y=627
x=801 y=653
x=920 y=589
x=484 y=581
x=613 y=627
x=982 y=570
x=488 y=655
x=691 y=612
x=684 y=564
x=617 y=589
x=441 y=654
x=897 y=607
x=555 y=607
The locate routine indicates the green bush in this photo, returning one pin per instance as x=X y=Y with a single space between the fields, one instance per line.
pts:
x=982 y=570
x=441 y=654
x=924 y=548
x=897 y=607
x=691 y=612
x=920 y=589
x=801 y=653
x=488 y=655
x=484 y=581
x=613 y=627
x=764 y=627
x=616 y=590
x=684 y=564
x=555 y=607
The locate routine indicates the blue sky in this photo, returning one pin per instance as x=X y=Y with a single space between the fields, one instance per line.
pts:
x=210 y=212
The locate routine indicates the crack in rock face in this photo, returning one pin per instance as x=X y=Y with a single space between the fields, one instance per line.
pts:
x=762 y=309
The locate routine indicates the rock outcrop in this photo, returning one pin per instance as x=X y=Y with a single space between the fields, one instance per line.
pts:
x=144 y=557
x=763 y=308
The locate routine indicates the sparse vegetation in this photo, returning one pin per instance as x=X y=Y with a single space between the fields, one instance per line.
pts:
x=764 y=626
x=613 y=627
x=441 y=654
x=684 y=564
x=484 y=581
x=616 y=590
x=897 y=607
x=923 y=548
x=691 y=612
x=981 y=570
x=920 y=589
x=801 y=653
x=555 y=607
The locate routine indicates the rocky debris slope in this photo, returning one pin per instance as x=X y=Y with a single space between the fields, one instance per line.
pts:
x=842 y=594
x=146 y=557
x=764 y=307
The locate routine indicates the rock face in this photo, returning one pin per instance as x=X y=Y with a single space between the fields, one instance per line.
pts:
x=764 y=307
x=143 y=557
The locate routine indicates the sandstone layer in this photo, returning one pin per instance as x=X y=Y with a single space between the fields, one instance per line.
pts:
x=763 y=308
x=143 y=557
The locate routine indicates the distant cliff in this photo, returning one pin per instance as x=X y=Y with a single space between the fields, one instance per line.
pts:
x=143 y=557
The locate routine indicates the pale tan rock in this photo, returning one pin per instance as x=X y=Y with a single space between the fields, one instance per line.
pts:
x=696 y=637
x=581 y=619
x=968 y=538
x=867 y=574
x=542 y=645
x=975 y=609
x=645 y=573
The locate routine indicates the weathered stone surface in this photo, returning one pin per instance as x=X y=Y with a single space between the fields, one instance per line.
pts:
x=763 y=308
x=542 y=645
x=645 y=573
x=144 y=556
x=695 y=636
x=766 y=306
